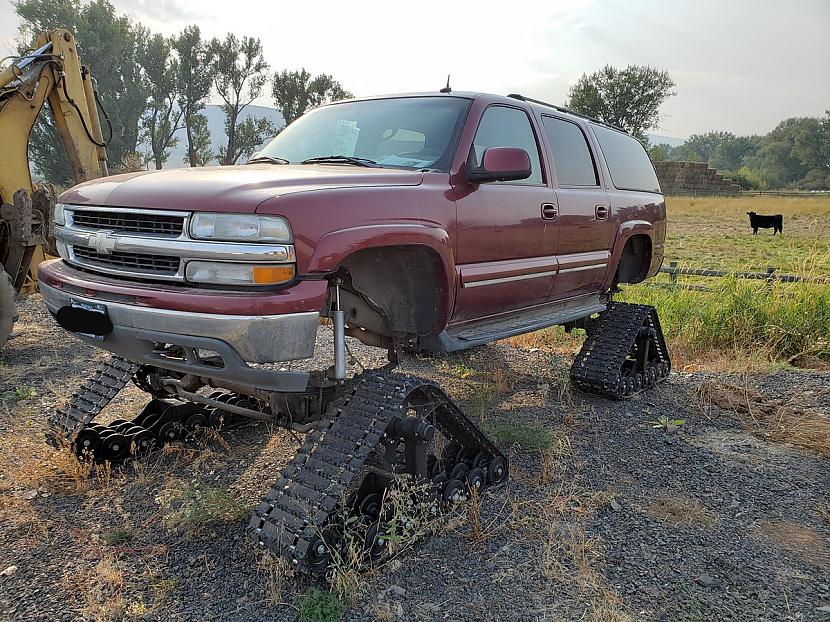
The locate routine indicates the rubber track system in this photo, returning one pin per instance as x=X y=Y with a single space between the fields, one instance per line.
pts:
x=295 y=517
x=89 y=400
x=624 y=353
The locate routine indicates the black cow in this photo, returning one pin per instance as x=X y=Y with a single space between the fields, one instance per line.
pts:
x=759 y=221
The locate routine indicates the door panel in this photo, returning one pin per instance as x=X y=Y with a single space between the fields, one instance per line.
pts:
x=506 y=250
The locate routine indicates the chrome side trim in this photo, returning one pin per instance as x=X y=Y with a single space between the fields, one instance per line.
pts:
x=593 y=266
x=508 y=279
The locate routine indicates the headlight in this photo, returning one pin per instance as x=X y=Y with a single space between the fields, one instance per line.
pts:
x=226 y=273
x=239 y=227
x=59 y=215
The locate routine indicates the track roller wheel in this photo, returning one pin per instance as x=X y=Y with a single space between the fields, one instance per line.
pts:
x=114 y=446
x=169 y=432
x=142 y=441
x=370 y=506
x=459 y=471
x=453 y=492
x=477 y=480
x=318 y=556
x=497 y=471
x=375 y=543
x=196 y=423
x=87 y=442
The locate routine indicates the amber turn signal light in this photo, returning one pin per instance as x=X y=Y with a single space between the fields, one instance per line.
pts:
x=272 y=275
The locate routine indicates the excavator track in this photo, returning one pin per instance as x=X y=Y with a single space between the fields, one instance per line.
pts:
x=363 y=437
x=624 y=353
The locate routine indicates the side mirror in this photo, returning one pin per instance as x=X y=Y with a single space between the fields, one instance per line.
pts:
x=500 y=164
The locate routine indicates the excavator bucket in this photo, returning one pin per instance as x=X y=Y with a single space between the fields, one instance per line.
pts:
x=624 y=353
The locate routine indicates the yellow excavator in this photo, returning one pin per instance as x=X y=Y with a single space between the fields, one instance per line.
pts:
x=52 y=72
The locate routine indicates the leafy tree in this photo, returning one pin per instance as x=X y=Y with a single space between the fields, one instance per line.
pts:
x=202 y=152
x=161 y=120
x=112 y=47
x=239 y=73
x=703 y=145
x=193 y=83
x=629 y=98
x=250 y=133
x=733 y=153
x=296 y=91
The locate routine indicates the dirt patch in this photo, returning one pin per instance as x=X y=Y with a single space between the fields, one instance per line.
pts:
x=679 y=510
x=799 y=539
x=770 y=419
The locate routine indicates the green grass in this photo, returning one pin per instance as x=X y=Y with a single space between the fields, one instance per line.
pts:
x=119 y=536
x=318 y=605
x=193 y=506
x=530 y=437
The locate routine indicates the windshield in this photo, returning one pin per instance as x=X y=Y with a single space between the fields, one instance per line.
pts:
x=410 y=132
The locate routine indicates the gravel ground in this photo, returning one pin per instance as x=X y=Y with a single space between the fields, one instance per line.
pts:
x=613 y=520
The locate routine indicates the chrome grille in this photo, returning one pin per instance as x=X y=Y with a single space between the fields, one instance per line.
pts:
x=129 y=222
x=165 y=265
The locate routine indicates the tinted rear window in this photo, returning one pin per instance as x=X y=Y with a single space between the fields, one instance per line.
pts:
x=571 y=156
x=627 y=161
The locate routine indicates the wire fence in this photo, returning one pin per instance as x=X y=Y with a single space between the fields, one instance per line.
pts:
x=771 y=275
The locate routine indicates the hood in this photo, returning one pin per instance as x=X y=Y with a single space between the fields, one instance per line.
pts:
x=228 y=188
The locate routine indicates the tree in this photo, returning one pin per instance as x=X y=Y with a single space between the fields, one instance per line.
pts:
x=250 y=133
x=193 y=83
x=629 y=98
x=704 y=145
x=296 y=91
x=162 y=119
x=112 y=47
x=199 y=152
x=239 y=73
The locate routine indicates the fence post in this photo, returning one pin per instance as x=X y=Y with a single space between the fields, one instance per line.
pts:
x=672 y=275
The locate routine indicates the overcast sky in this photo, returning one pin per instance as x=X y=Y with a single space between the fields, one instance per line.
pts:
x=740 y=65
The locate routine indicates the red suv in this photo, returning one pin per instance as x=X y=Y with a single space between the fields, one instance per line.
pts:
x=431 y=221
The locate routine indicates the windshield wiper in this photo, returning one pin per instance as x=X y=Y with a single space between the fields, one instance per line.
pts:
x=266 y=158
x=342 y=159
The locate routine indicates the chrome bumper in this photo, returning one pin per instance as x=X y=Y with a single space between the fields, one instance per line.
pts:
x=238 y=340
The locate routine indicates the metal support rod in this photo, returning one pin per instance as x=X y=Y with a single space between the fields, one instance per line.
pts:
x=339 y=336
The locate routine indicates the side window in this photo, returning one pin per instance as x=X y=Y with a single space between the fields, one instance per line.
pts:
x=628 y=162
x=571 y=155
x=508 y=127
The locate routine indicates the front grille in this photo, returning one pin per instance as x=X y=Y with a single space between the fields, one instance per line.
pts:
x=162 y=265
x=129 y=222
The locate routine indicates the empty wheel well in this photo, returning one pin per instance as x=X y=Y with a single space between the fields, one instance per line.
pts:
x=393 y=290
x=635 y=260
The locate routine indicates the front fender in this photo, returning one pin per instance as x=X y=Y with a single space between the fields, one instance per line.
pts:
x=336 y=246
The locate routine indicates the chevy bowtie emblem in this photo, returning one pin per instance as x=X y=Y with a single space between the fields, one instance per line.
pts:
x=103 y=243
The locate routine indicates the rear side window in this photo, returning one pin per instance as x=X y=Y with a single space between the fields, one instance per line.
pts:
x=627 y=161
x=508 y=127
x=571 y=155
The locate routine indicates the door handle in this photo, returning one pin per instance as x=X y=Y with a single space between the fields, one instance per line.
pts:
x=601 y=212
x=550 y=211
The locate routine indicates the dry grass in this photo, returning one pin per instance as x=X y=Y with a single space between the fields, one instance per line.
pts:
x=804 y=541
x=772 y=420
x=102 y=589
x=276 y=571
x=678 y=510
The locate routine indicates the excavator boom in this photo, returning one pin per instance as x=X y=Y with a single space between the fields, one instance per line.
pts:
x=51 y=73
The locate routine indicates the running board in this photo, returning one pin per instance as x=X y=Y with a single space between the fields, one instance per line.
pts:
x=481 y=332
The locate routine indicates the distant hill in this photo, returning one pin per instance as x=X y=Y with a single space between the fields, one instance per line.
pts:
x=665 y=140
x=216 y=125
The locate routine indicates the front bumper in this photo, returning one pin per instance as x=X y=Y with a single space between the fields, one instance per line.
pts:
x=237 y=339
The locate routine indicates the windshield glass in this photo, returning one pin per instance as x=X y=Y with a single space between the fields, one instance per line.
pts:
x=411 y=132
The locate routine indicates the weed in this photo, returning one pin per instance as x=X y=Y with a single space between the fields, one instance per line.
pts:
x=103 y=590
x=193 y=506
x=461 y=370
x=318 y=605
x=474 y=513
x=18 y=394
x=669 y=425
x=530 y=437
x=119 y=536
x=276 y=570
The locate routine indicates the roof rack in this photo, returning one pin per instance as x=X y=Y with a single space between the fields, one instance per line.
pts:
x=565 y=110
